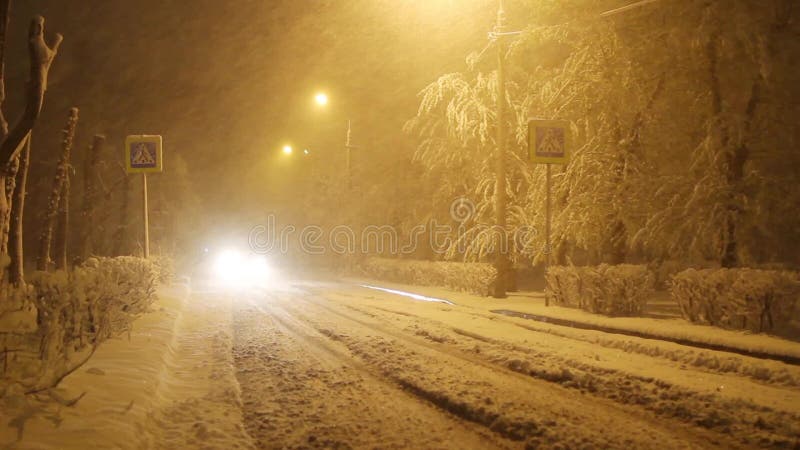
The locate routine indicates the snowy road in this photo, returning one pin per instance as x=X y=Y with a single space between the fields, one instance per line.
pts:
x=330 y=365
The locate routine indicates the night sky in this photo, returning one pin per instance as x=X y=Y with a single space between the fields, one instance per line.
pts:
x=228 y=83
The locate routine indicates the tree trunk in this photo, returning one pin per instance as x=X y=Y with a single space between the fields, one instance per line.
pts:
x=62 y=172
x=41 y=57
x=630 y=151
x=6 y=189
x=17 y=268
x=62 y=230
x=734 y=160
x=560 y=258
x=5 y=6
x=90 y=194
x=619 y=242
x=121 y=233
x=729 y=255
x=8 y=193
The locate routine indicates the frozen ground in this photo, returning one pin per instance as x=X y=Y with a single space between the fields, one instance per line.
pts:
x=336 y=365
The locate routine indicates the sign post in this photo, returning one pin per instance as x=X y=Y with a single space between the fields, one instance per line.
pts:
x=143 y=154
x=548 y=143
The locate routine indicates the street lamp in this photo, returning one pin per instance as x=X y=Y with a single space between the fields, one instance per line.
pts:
x=322 y=99
x=287 y=150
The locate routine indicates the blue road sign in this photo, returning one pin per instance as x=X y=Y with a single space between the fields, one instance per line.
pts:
x=143 y=154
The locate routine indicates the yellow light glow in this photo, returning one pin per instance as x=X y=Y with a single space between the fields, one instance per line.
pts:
x=321 y=99
x=235 y=269
x=287 y=150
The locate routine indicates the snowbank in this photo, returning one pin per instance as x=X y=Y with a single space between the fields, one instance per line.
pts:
x=117 y=386
x=133 y=384
x=59 y=319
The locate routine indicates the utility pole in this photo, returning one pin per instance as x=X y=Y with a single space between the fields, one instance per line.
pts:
x=349 y=213
x=348 y=146
x=501 y=248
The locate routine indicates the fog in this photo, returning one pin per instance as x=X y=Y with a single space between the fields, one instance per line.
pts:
x=227 y=84
x=400 y=224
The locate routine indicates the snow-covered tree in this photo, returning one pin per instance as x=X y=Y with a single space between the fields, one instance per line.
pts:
x=739 y=73
x=681 y=142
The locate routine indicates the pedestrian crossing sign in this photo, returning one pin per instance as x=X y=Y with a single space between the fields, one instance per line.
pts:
x=548 y=141
x=143 y=154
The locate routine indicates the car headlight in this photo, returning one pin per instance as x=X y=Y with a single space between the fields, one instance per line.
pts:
x=233 y=268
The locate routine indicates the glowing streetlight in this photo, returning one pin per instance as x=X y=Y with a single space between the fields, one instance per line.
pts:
x=287 y=150
x=321 y=99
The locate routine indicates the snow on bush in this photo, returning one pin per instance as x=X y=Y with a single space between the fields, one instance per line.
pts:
x=747 y=299
x=165 y=265
x=475 y=278
x=71 y=314
x=665 y=270
x=614 y=290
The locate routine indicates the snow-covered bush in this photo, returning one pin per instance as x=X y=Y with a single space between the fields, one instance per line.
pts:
x=748 y=299
x=475 y=278
x=70 y=315
x=665 y=270
x=165 y=265
x=614 y=290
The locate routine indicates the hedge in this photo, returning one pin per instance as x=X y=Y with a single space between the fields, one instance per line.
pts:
x=165 y=266
x=475 y=278
x=614 y=290
x=69 y=315
x=746 y=299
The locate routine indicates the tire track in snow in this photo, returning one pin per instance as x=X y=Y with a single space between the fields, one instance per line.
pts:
x=336 y=401
x=408 y=360
x=752 y=423
x=707 y=415
x=769 y=371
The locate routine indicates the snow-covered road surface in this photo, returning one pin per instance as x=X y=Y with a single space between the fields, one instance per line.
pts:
x=332 y=365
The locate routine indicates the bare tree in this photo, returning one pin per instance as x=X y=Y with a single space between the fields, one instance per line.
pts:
x=90 y=195
x=41 y=57
x=5 y=6
x=16 y=268
x=121 y=245
x=61 y=239
x=60 y=180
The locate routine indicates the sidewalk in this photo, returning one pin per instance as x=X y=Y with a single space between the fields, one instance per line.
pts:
x=117 y=385
x=169 y=383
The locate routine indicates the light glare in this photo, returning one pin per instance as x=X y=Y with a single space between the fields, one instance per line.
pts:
x=234 y=269
x=287 y=149
x=321 y=99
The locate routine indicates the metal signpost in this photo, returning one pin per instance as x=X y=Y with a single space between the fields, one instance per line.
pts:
x=548 y=143
x=143 y=155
